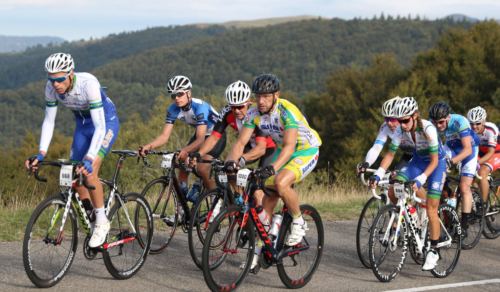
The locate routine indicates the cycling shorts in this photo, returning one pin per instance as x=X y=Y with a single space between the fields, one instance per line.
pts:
x=265 y=160
x=83 y=138
x=435 y=181
x=494 y=162
x=218 y=148
x=301 y=163
x=469 y=164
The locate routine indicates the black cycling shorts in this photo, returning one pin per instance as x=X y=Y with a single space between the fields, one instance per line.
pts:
x=218 y=148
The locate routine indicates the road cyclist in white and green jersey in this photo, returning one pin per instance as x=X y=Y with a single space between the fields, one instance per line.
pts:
x=97 y=127
x=428 y=164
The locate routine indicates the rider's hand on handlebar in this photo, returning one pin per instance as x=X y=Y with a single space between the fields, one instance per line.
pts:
x=231 y=167
x=141 y=149
x=267 y=172
x=193 y=159
x=182 y=155
x=373 y=181
x=362 y=167
x=33 y=160
x=85 y=167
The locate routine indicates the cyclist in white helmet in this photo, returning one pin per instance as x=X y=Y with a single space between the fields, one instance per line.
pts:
x=489 y=149
x=428 y=164
x=386 y=130
x=97 y=127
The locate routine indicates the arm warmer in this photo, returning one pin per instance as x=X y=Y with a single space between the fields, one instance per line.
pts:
x=373 y=154
x=99 y=133
x=48 y=128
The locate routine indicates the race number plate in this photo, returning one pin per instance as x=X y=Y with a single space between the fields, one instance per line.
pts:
x=242 y=177
x=167 y=160
x=222 y=177
x=66 y=175
x=399 y=190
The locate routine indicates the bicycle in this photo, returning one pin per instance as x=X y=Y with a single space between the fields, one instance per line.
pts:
x=370 y=210
x=233 y=234
x=393 y=226
x=167 y=187
x=51 y=236
x=491 y=209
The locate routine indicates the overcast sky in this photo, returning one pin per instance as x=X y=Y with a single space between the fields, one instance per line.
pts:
x=74 y=20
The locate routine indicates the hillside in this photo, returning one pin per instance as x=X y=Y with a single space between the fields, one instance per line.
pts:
x=302 y=54
x=258 y=22
x=19 y=43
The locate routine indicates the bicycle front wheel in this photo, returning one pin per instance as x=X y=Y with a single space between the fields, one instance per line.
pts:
x=129 y=238
x=476 y=220
x=297 y=270
x=387 y=256
x=48 y=247
x=492 y=215
x=225 y=267
x=370 y=210
x=163 y=205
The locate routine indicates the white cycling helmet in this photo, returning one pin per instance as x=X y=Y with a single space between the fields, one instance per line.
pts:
x=237 y=93
x=179 y=83
x=59 y=62
x=388 y=106
x=405 y=107
x=476 y=115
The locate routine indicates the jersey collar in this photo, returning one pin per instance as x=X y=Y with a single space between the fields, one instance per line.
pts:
x=188 y=106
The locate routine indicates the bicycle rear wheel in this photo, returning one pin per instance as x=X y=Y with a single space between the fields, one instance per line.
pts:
x=476 y=221
x=386 y=257
x=492 y=216
x=365 y=222
x=297 y=270
x=126 y=250
x=450 y=241
x=163 y=205
x=221 y=265
x=199 y=223
x=48 y=253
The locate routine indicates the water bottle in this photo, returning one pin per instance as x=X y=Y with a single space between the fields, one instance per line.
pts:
x=278 y=218
x=184 y=188
x=414 y=215
x=262 y=217
x=423 y=215
x=89 y=209
x=453 y=200
x=238 y=198
x=193 y=193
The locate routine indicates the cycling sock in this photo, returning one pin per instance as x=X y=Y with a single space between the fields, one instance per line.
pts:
x=258 y=247
x=181 y=210
x=434 y=244
x=465 y=220
x=100 y=216
x=297 y=219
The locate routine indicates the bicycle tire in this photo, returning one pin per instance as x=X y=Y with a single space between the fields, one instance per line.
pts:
x=154 y=192
x=51 y=209
x=388 y=260
x=365 y=222
x=476 y=222
x=227 y=276
x=291 y=271
x=123 y=259
x=448 y=255
x=492 y=221
x=197 y=224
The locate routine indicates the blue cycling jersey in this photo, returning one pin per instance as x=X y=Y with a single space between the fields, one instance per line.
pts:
x=197 y=113
x=458 y=127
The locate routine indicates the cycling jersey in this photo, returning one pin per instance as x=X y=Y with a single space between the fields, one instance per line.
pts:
x=435 y=181
x=284 y=116
x=93 y=112
x=421 y=147
x=488 y=138
x=196 y=113
x=384 y=133
x=227 y=118
x=458 y=127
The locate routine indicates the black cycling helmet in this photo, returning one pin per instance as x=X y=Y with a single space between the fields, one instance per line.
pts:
x=266 y=83
x=439 y=110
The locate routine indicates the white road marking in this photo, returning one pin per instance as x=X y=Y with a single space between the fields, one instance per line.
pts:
x=428 y=288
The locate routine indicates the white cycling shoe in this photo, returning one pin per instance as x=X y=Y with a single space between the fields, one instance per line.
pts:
x=99 y=234
x=296 y=234
x=430 y=261
x=255 y=262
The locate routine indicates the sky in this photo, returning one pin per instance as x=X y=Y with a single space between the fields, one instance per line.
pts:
x=75 y=20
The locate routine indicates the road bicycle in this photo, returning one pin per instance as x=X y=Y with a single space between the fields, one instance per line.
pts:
x=229 y=245
x=491 y=209
x=51 y=237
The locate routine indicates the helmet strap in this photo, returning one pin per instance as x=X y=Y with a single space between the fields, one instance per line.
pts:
x=188 y=105
x=70 y=84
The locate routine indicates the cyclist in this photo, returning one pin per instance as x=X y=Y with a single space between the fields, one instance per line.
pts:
x=461 y=145
x=97 y=127
x=296 y=156
x=489 y=149
x=194 y=112
x=259 y=146
x=428 y=163
x=386 y=130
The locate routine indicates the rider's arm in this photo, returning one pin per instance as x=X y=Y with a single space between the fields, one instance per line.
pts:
x=201 y=130
x=239 y=146
x=466 y=151
x=162 y=139
x=209 y=144
x=99 y=121
x=217 y=132
x=432 y=165
x=389 y=156
x=289 y=143
x=487 y=156
x=377 y=147
x=48 y=126
x=260 y=146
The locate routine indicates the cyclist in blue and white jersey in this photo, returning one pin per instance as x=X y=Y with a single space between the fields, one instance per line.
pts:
x=194 y=112
x=386 y=131
x=97 y=127
x=461 y=145
x=428 y=164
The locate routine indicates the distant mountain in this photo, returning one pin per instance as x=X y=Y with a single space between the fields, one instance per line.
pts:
x=17 y=43
x=259 y=22
x=460 y=17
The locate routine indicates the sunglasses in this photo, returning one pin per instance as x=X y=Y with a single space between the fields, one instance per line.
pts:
x=178 y=94
x=237 y=107
x=440 y=122
x=405 y=121
x=476 y=124
x=58 y=79
x=391 y=120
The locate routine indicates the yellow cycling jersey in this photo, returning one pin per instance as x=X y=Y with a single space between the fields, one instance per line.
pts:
x=284 y=116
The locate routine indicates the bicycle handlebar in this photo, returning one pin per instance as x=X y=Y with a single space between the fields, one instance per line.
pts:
x=83 y=179
x=362 y=176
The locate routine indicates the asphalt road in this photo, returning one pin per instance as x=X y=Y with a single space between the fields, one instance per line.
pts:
x=340 y=270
